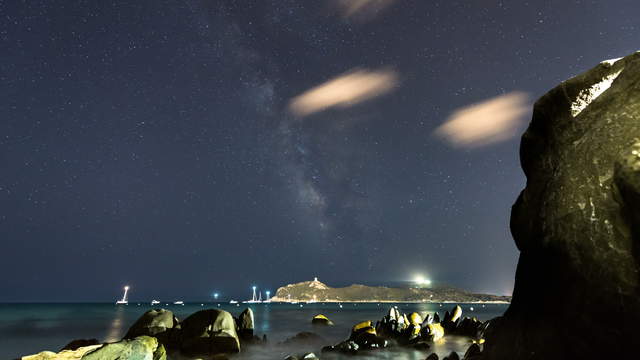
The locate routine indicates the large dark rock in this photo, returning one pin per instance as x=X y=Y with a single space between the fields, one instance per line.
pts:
x=209 y=332
x=245 y=324
x=159 y=323
x=577 y=223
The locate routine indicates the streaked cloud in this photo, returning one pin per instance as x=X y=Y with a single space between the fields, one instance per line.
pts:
x=488 y=122
x=362 y=9
x=345 y=90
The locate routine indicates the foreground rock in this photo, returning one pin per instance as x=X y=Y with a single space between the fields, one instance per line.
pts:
x=577 y=223
x=62 y=355
x=159 y=323
x=245 y=324
x=140 y=348
x=207 y=333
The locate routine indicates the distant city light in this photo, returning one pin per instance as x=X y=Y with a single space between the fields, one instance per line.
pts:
x=215 y=295
x=422 y=281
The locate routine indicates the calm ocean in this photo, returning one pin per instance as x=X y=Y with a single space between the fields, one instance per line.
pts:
x=31 y=328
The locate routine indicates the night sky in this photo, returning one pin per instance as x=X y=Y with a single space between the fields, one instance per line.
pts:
x=178 y=146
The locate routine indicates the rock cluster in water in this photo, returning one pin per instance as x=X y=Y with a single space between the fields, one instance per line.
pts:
x=414 y=330
x=158 y=333
x=577 y=223
x=215 y=334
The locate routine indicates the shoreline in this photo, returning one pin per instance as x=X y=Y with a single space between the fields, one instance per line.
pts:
x=389 y=302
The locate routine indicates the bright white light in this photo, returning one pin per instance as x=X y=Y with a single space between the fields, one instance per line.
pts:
x=254 y=287
x=126 y=287
x=421 y=280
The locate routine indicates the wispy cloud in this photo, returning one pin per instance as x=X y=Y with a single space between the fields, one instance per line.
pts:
x=344 y=90
x=362 y=9
x=488 y=122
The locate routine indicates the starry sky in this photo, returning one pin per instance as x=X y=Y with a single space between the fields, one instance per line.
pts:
x=173 y=145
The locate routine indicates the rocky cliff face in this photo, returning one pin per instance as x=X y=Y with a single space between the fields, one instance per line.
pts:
x=318 y=291
x=577 y=222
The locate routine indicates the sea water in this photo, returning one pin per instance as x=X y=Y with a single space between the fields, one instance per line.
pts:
x=31 y=328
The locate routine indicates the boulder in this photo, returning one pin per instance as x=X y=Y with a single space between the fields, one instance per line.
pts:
x=451 y=319
x=415 y=319
x=62 y=355
x=245 y=324
x=452 y=356
x=208 y=333
x=345 y=347
x=433 y=332
x=362 y=327
x=470 y=327
x=370 y=341
x=140 y=348
x=433 y=356
x=473 y=352
x=392 y=325
x=321 y=320
x=159 y=323
x=577 y=223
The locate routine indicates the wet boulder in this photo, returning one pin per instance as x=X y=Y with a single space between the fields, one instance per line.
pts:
x=208 y=333
x=246 y=324
x=473 y=353
x=365 y=326
x=453 y=356
x=140 y=348
x=392 y=325
x=321 y=320
x=346 y=347
x=470 y=327
x=433 y=332
x=159 y=323
x=451 y=319
x=577 y=222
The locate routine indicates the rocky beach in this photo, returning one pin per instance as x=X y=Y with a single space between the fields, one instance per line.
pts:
x=216 y=334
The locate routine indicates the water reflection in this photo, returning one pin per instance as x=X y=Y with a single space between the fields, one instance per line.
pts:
x=115 y=330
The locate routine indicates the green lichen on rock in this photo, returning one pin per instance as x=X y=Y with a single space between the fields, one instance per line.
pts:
x=140 y=348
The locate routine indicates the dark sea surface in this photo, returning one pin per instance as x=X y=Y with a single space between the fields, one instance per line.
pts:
x=31 y=328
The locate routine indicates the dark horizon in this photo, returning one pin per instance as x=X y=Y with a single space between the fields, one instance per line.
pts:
x=187 y=147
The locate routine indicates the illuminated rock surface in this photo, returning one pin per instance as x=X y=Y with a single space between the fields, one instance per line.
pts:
x=209 y=332
x=577 y=222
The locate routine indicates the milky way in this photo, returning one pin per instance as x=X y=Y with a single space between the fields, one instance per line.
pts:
x=186 y=147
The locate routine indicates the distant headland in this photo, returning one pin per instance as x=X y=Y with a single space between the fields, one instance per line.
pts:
x=316 y=291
